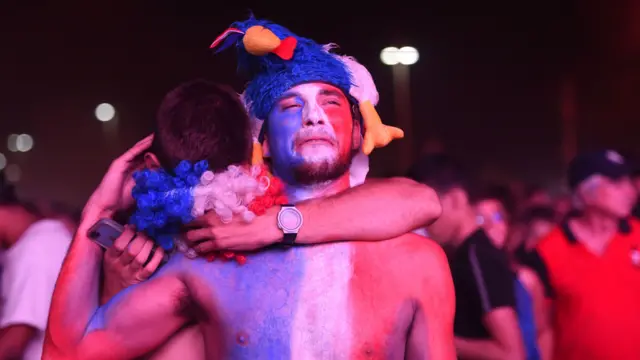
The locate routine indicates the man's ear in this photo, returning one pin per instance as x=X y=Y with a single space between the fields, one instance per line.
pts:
x=459 y=198
x=356 y=136
x=151 y=161
x=265 y=148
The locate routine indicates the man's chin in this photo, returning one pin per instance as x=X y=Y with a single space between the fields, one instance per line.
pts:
x=314 y=171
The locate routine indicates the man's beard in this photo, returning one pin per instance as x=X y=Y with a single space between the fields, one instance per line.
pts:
x=311 y=173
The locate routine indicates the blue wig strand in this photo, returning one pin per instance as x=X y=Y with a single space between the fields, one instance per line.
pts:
x=164 y=201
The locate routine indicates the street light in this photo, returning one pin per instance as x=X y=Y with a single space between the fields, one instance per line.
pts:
x=105 y=112
x=400 y=60
x=405 y=55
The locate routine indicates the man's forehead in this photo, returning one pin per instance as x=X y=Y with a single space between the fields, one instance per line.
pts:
x=313 y=89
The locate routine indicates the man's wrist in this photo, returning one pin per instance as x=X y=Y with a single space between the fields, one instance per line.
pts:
x=272 y=234
x=93 y=213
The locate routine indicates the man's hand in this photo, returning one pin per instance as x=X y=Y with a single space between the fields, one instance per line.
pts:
x=129 y=261
x=208 y=233
x=114 y=191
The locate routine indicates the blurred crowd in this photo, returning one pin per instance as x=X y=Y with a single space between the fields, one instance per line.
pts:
x=551 y=273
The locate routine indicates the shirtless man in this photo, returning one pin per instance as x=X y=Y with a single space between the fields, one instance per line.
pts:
x=304 y=302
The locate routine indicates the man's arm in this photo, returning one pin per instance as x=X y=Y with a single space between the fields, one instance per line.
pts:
x=75 y=298
x=29 y=279
x=431 y=333
x=76 y=295
x=377 y=210
x=494 y=285
x=505 y=343
x=136 y=321
x=541 y=307
x=14 y=340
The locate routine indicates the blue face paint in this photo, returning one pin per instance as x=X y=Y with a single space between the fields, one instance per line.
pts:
x=282 y=126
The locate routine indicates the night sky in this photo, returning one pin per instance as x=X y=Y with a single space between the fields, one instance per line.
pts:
x=486 y=85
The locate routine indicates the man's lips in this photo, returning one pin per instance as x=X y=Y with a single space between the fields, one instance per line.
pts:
x=314 y=140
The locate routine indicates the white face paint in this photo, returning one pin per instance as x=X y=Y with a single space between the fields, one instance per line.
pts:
x=316 y=141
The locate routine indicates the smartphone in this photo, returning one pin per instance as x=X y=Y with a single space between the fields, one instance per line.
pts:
x=105 y=232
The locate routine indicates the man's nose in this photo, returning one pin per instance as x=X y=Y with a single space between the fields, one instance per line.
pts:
x=314 y=117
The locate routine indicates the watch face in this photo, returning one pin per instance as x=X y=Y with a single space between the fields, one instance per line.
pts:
x=290 y=219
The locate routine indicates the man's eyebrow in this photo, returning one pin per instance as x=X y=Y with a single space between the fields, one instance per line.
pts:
x=287 y=96
x=331 y=92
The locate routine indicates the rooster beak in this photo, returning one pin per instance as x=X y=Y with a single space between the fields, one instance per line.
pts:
x=260 y=41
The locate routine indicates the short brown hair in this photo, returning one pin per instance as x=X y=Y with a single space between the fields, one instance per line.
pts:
x=202 y=120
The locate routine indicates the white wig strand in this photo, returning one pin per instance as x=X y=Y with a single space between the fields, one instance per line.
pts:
x=229 y=193
x=363 y=87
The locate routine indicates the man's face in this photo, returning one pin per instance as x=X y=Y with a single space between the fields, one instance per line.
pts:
x=310 y=133
x=612 y=196
x=494 y=220
x=454 y=206
x=636 y=183
x=539 y=228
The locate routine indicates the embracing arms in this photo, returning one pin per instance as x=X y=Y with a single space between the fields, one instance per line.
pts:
x=377 y=210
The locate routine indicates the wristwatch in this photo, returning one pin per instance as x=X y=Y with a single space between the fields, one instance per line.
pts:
x=290 y=222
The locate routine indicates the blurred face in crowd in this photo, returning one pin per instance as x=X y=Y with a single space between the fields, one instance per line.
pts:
x=539 y=228
x=455 y=211
x=562 y=207
x=492 y=217
x=611 y=197
x=636 y=183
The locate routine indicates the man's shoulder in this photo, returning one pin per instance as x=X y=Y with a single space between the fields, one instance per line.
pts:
x=425 y=260
x=552 y=243
x=44 y=243
x=45 y=234
x=420 y=254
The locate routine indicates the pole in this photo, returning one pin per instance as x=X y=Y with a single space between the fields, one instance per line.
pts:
x=402 y=104
x=569 y=114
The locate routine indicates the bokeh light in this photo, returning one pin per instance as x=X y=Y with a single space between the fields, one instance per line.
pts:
x=24 y=142
x=12 y=142
x=406 y=55
x=105 y=112
x=13 y=173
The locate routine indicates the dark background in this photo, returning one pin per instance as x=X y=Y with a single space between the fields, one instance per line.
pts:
x=487 y=85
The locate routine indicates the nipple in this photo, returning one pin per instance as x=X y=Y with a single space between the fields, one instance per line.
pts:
x=242 y=338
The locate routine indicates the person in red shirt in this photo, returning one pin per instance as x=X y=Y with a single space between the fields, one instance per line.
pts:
x=593 y=260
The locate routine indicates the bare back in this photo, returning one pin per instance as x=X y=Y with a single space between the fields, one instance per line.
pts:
x=335 y=301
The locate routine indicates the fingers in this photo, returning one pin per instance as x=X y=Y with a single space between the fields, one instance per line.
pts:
x=206 y=246
x=209 y=219
x=196 y=235
x=120 y=244
x=133 y=152
x=133 y=249
x=153 y=264
x=142 y=256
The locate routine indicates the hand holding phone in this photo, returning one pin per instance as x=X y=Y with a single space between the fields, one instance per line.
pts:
x=105 y=233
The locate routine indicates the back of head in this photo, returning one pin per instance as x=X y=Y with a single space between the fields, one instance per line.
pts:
x=499 y=193
x=450 y=181
x=441 y=172
x=202 y=120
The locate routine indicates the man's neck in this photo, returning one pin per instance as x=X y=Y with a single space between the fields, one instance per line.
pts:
x=297 y=193
x=594 y=229
x=467 y=227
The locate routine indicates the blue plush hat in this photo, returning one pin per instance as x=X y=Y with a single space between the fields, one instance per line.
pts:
x=274 y=59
